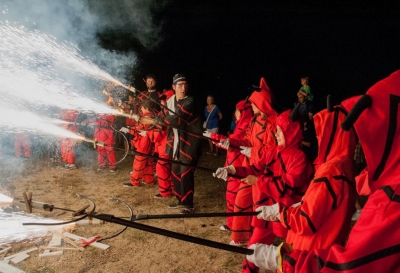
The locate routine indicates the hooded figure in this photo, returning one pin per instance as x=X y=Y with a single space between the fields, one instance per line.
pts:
x=283 y=174
x=259 y=135
x=243 y=115
x=323 y=217
x=373 y=243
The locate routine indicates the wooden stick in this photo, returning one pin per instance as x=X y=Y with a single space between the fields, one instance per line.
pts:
x=58 y=248
x=68 y=240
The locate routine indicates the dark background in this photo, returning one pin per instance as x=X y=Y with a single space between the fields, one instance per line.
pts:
x=225 y=48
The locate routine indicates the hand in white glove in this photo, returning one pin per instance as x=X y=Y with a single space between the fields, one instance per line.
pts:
x=264 y=256
x=206 y=134
x=223 y=172
x=269 y=213
x=124 y=130
x=224 y=143
x=142 y=133
x=134 y=117
x=246 y=151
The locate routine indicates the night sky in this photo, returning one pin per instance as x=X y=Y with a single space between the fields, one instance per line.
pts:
x=225 y=49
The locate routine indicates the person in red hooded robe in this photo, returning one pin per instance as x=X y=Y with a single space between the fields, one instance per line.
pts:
x=67 y=145
x=281 y=176
x=243 y=115
x=323 y=217
x=373 y=244
x=259 y=134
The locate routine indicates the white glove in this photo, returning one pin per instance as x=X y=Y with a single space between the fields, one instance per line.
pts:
x=124 y=130
x=142 y=133
x=246 y=151
x=223 y=172
x=264 y=256
x=224 y=143
x=134 y=117
x=269 y=213
x=206 y=134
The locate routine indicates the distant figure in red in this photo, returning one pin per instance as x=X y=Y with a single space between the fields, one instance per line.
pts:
x=22 y=144
x=104 y=133
x=67 y=145
x=142 y=141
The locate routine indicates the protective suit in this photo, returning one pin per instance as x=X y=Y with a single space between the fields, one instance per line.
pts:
x=283 y=176
x=373 y=243
x=67 y=145
x=142 y=165
x=259 y=135
x=324 y=215
x=104 y=133
x=234 y=157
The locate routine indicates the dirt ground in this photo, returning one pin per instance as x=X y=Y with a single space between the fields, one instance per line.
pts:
x=133 y=250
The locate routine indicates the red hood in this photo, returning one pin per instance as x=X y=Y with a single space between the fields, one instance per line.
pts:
x=291 y=131
x=333 y=141
x=245 y=116
x=263 y=99
x=378 y=128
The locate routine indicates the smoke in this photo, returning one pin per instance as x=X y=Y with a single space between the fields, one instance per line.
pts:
x=82 y=21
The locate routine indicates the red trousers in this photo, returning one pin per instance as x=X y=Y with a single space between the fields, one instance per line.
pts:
x=67 y=150
x=106 y=157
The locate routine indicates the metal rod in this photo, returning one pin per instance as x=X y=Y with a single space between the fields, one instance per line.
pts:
x=175 y=235
x=183 y=164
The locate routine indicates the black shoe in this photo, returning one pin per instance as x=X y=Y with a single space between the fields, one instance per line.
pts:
x=187 y=211
x=158 y=196
x=129 y=185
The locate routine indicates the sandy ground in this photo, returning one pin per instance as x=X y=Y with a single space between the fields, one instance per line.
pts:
x=133 y=250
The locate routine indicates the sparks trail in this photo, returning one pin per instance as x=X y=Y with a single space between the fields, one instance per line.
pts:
x=30 y=71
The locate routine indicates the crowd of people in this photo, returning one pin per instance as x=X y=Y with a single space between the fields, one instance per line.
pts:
x=301 y=170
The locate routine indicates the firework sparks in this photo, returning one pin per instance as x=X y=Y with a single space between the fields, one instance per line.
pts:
x=32 y=64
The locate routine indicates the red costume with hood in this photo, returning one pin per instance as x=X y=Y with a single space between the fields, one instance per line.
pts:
x=233 y=155
x=67 y=145
x=104 y=133
x=374 y=241
x=324 y=215
x=259 y=134
x=142 y=165
x=283 y=176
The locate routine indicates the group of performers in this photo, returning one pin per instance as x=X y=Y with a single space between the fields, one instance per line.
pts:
x=310 y=206
x=307 y=204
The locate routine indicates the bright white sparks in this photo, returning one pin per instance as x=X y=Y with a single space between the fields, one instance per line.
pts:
x=30 y=73
x=29 y=121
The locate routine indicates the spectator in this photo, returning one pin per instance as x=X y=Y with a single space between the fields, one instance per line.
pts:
x=213 y=115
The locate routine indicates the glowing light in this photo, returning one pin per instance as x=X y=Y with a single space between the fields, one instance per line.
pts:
x=32 y=66
x=12 y=228
x=24 y=120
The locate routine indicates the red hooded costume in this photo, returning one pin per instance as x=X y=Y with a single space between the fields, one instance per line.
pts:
x=283 y=176
x=374 y=242
x=67 y=145
x=104 y=133
x=323 y=217
x=233 y=155
x=259 y=135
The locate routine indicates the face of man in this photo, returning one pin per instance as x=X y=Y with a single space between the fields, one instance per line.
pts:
x=150 y=83
x=181 y=89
